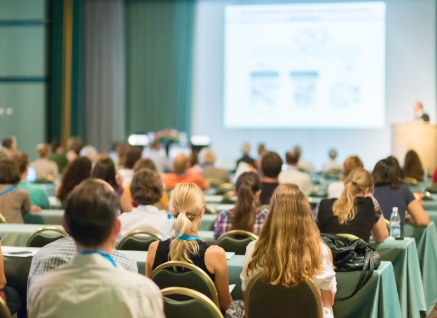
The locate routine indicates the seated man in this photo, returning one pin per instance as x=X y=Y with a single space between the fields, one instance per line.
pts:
x=304 y=165
x=271 y=166
x=38 y=197
x=45 y=168
x=92 y=285
x=332 y=164
x=293 y=175
x=180 y=166
x=207 y=159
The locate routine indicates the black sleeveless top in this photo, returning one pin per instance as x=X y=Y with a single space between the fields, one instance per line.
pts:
x=360 y=226
x=163 y=251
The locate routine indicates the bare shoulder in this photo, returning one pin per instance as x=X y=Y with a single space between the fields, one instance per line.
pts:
x=153 y=247
x=215 y=251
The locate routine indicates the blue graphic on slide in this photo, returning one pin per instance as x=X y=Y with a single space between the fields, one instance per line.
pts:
x=304 y=87
x=265 y=87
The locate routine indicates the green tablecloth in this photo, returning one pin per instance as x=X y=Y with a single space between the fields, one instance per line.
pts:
x=18 y=234
x=429 y=205
x=207 y=222
x=426 y=242
x=44 y=217
x=377 y=299
x=403 y=255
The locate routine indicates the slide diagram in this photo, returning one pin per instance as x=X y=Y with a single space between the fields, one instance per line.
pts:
x=265 y=88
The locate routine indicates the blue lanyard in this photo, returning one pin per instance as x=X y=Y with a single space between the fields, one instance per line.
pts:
x=187 y=238
x=105 y=255
x=9 y=189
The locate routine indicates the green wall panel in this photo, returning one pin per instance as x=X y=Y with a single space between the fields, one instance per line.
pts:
x=22 y=9
x=22 y=114
x=22 y=51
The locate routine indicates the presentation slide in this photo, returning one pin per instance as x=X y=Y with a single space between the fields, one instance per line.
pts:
x=305 y=65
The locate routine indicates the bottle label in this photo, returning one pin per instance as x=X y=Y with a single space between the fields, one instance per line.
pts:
x=395 y=231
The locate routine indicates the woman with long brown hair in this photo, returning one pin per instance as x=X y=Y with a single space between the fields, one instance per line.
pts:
x=246 y=215
x=413 y=166
x=356 y=211
x=290 y=248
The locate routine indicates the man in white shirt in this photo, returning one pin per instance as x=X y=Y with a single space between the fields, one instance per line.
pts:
x=92 y=285
x=293 y=175
x=303 y=164
x=332 y=164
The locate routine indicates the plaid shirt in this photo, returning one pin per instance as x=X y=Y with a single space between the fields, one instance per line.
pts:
x=61 y=252
x=223 y=222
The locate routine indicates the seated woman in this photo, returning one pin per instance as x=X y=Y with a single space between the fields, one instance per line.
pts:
x=187 y=205
x=14 y=202
x=391 y=191
x=336 y=188
x=413 y=166
x=355 y=212
x=74 y=173
x=146 y=188
x=105 y=169
x=246 y=215
x=302 y=254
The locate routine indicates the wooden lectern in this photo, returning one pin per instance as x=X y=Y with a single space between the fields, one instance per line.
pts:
x=418 y=136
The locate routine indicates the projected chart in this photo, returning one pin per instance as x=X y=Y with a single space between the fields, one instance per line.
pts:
x=305 y=65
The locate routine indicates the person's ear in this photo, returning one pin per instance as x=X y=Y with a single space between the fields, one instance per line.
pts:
x=64 y=225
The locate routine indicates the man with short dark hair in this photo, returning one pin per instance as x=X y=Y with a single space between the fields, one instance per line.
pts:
x=271 y=166
x=9 y=145
x=93 y=284
x=293 y=175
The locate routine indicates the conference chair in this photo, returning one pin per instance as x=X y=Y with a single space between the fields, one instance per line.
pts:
x=236 y=241
x=209 y=209
x=426 y=196
x=411 y=181
x=4 y=310
x=318 y=193
x=224 y=188
x=229 y=198
x=351 y=237
x=197 y=306
x=184 y=274
x=214 y=183
x=44 y=236
x=137 y=240
x=2 y=218
x=266 y=300
x=334 y=173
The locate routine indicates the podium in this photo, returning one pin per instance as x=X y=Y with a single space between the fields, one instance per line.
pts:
x=418 y=136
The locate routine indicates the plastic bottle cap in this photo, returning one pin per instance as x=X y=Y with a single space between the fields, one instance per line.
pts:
x=395 y=209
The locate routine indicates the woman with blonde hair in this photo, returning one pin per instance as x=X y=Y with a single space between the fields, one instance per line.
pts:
x=289 y=249
x=187 y=205
x=356 y=211
x=336 y=188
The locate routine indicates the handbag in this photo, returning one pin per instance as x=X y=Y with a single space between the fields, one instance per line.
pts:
x=352 y=255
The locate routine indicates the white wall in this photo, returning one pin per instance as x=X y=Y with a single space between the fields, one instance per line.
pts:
x=410 y=76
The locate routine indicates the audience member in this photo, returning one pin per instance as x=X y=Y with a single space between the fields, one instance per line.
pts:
x=9 y=295
x=38 y=196
x=156 y=153
x=293 y=175
x=391 y=191
x=92 y=284
x=122 y=149
x=74 y=146
x=261 y=150
x=335 y=189
x=45 y=168
x=302 y=254
x=180 y=165
x=104 y=169
x=246 y=215
x=207 y=159
x=332 y=164
x=303 y=164
x=14 y=202
x=419 y=114
x=187 y=205
x=76 y=171
x=90 y=152
x=271 y=165
x=3 y=154
x=146 y=189
x=246 y=156
x=58 y=156
x=9 y=145
x=413 y=166
x=132 y=156
x=355 y=212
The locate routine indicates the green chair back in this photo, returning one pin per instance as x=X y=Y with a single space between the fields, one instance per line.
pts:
x=229 y=198
x=214 y=183
x=196 y=306
x=224 y=188
x=236 y=241
x=137 y=240
x=183 y=274
x=411 y=181
x=209 y=209
x=267 y=300
x=44 y=236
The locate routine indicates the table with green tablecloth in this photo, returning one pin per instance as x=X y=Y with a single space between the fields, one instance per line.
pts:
x=378 y=298
x=18 y=234
x=403 y=255
x=207 y=222
x=426 y=243
x=44 y=217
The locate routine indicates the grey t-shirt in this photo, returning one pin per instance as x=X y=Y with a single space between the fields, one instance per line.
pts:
x=389 y=198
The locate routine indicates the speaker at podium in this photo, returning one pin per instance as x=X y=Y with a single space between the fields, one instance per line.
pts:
x=418 y=136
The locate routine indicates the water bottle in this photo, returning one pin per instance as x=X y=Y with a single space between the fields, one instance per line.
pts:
x=167 y=229
x=395 y=223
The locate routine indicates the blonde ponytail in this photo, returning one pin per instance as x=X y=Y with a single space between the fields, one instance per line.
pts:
x=186 y=203
x=357 y=182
